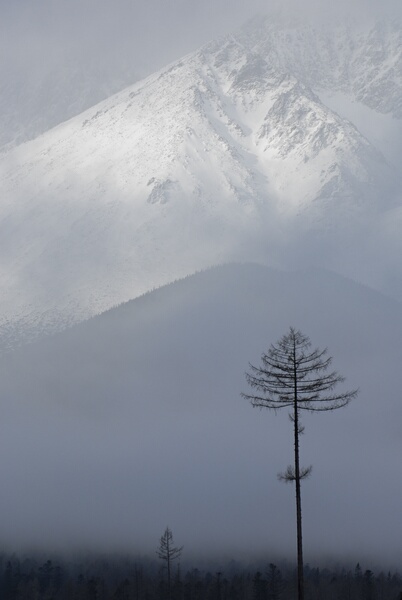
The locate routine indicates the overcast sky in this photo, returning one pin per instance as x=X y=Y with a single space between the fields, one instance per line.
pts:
x=152 y=32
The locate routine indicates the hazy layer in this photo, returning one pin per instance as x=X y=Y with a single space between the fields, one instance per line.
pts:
x=134 y=420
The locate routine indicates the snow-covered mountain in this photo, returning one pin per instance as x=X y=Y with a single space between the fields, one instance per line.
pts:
x=240 y=151
x=364 y=62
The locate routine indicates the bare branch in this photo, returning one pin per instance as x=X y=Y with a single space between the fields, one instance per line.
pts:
x=289 y=476
x=290 y=365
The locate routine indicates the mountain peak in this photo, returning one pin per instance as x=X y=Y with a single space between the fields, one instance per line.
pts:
x=359 y=58
x=231 y=153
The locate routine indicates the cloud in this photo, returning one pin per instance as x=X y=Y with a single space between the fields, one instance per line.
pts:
x=149 y=33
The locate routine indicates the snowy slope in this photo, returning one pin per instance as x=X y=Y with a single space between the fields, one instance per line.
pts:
x=34 y=100
x=356 y=69
x=225 y=155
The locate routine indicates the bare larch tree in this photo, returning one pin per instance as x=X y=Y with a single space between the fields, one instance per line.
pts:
x=168 y=552
x=293 y=376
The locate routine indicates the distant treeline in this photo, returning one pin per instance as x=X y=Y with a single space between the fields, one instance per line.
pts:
x=24 y=578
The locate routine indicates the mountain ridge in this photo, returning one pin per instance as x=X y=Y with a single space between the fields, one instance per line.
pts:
x=218 y=157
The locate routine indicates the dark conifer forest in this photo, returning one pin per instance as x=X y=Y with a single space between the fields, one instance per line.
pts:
x=112 y=578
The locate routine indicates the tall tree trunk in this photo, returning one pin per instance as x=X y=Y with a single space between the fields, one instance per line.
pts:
x=300 y=574
x=168 y=571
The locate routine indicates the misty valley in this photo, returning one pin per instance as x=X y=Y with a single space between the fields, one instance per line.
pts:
x=104 y=422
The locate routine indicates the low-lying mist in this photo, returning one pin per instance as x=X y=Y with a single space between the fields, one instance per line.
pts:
x=133 y=421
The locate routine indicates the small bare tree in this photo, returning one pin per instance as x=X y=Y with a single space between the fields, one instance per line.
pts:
x=168 y=552
x=293 y=376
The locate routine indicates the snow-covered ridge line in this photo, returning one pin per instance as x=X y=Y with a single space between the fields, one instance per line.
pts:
x=228 y=154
